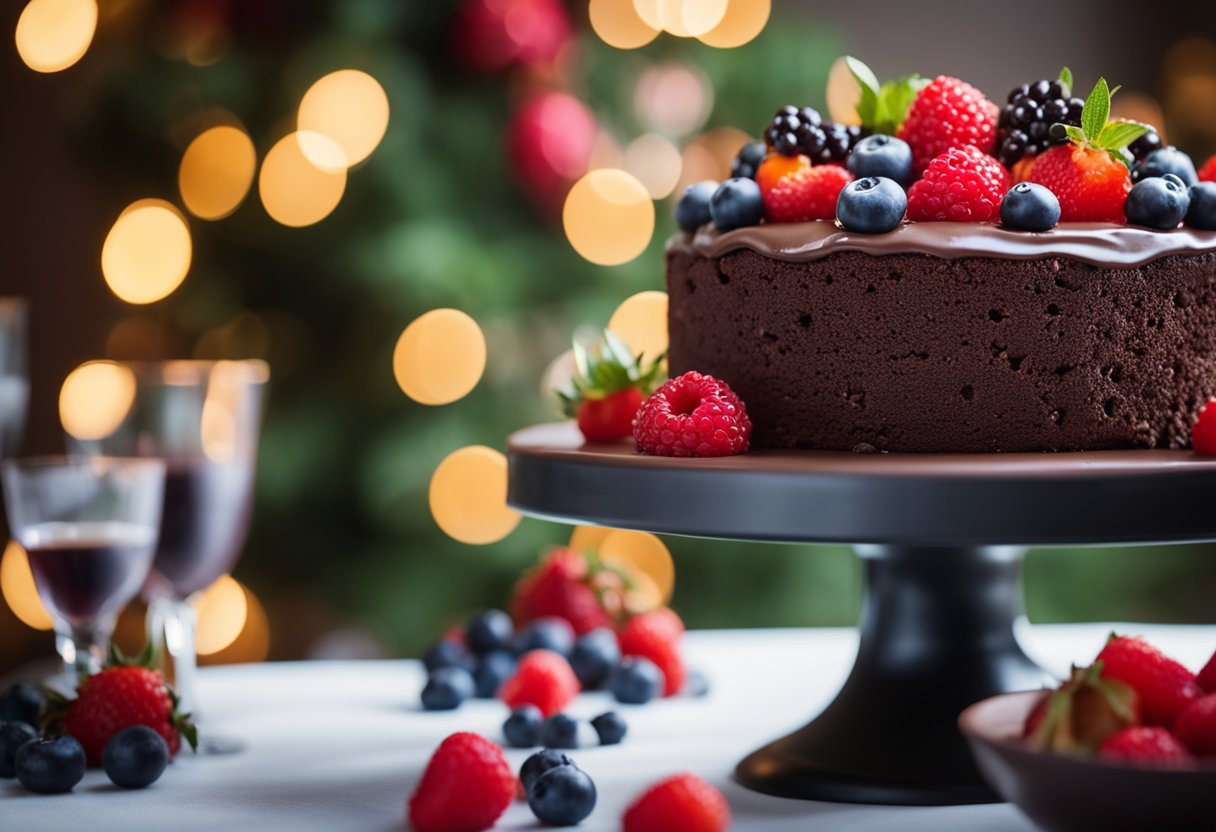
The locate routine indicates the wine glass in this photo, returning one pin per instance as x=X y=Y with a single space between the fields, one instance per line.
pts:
x=89 y=526
x=14 y=385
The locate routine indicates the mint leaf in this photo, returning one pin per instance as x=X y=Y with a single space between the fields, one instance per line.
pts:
x=896 y=99
x=1119 y=134
x=1096 y=110
x=1066 y=80
x=867 y=106
x=1075 y=133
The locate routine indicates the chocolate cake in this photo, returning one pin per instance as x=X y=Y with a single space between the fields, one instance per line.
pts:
x=951 y=337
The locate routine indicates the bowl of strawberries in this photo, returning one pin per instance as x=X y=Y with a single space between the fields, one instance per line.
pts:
x=1125 y=744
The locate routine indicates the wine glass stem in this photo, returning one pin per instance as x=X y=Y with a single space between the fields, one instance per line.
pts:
x=180 y=625
x=83 y=647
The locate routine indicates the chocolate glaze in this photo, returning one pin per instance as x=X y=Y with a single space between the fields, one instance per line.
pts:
x=1107 y=245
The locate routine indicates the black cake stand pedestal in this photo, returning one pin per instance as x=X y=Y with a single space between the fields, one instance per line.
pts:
x=942 y=539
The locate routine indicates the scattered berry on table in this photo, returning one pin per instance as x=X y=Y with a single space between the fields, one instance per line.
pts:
x=736 y=204
x=559 y=731
x=522 y=728
x=22 y=702
x=50 y=765
x=493 y=669
x=489 y=631
x=1207 y=677
x=801 y=130
x=692 y=415
x=566 y=584
x=135 y=757
x=1165 y=687
x=882 y=155
x=447 y=688
x=594 y=656
x=1202 y=213
x=610 y=727
x=807 y=194
x=13 y=735
x=1142 y=147
x=1166 y=160
x=1026 y=119
x=1030 y=207
x=467 y=785
x=543 y=679
x=1203 y=441
x=637 y=681
x=653 y=636
x=747 y=160
x=1158 y=202
x=963 y=184
x=1085 y=710
x=696 y=683
x=447 y=653
x=947 y=113
x=684 y=802
x=1196 y=726
x=562 y=796
x=1207 y=173
x=1146 y=745
x=539 y=763
x=549 y=632
x=873 y=205
x=692 y=211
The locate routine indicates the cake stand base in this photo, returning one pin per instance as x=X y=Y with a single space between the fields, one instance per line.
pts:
x=936 y=635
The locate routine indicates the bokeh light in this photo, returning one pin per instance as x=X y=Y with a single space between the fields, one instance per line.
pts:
x=147 y=253
x=54 y=34
x=587 y=539
x=709 y=155
x=216 y=172
x=743 y=21
x=843 y=93
x=655 y=162
x=294 y=190
x=95 y=398
x=641 y=322
x=351 y=108
x=688 y=18
x=440 y=357
x=19 y=590
x=251 y=642
x=618 y=24
x=222 y=611
x=559 y=375
x=608 y=217
x=468 y=496
x=645 y=553
x=673 y=98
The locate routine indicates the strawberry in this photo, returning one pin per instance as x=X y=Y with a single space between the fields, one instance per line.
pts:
x=948 y=113
x=544 y=679
x=682 y=801
x=1196 y=726
x=1089 y=174
x=1207 y=676
x=1082 y=713
x=1147 y=745
x=608 y=388
x=1165 y=687
x=656 y=636
x=570 y=585
x=805 y=194
x=1203 y=439
x=1207 y=173
x=466 y=787
x=963 y=184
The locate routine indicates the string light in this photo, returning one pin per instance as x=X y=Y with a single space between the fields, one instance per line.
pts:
x=608 y=217
x=95 y=398
x=618 y=24
x=641 y=322
x=468 y=496
x=709 y=155
x=19 y=590
x=216 y=172
x=656 y=163
x=294 y=190
x=673 y=98
x=147 y=253
x=222 y=612
x=440 y=357
x=690 y=18
x=743 y=21
x=351 y=108
x=52 y=35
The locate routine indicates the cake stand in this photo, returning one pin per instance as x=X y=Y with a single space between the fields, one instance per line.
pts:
x=942 y=539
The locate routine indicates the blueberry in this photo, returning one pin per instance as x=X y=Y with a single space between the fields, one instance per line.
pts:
x=22 y=702
x=595 y=655
x=13 y=735
x=1166 y=160
x=692 y=211
x=546 y=633
x=563 y=796
x=636 y=681
x=492 y=670
x=522 y=728
x=1158 y=202
x=873 y=205
x=1030 y=207
x=50 y=765
x=447 y=654
x=610 y=728
x=881 y=155
x=135 y=757
x=446 y=689
x=748 y=160
x=737 y=203
x=539 y=763
x=1202 y=213
x=489 y=631
x=696 y=684
x=559 y=731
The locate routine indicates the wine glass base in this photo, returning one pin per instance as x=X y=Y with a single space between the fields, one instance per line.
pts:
x=221 y=745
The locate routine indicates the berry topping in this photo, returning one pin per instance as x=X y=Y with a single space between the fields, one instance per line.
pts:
x=1146 y=144
x=1083 y=712
x=795 y=131
x=636 y=681
x=775 y=168
x=549 y=632
x=607 y=388
x=562 y=796
x=653 y=636
x=1158 y=202
x=1207 y=173
x=50 y=765
x=946 y=114
x=1026 y=120
x=806 y=194
x=1164 y=686
x=135 y=758
x=1167 y=160
x=492 y=670
x=963 y=184
x=1030 y=207
x=872 y=205
x=1202 y=213
x=1207 y=676
x=1203 y=441
x=466 y=786
x=566 y=584
x=539 y=763
x=1196 y=726
x=544 y=679
x=692 y=211
x=447 y=688
x=22 y=702
x=447 y=653
x=684 y=802
x=488 y=632
x=736 y=204
x=522 y=728
x=882 y=155
x=595 y=655
x=1145 y=745
x=559 y=731
x=13 y=735
x=747 y=162
x=693 y=415
x=610 y=728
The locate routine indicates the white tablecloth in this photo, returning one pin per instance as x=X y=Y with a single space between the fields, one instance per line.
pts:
x=339 y=746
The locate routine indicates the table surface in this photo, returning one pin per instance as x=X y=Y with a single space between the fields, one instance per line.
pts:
x=339 y=745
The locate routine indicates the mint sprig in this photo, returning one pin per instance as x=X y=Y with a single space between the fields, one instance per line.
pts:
x=1097 y=131
x=883 y=107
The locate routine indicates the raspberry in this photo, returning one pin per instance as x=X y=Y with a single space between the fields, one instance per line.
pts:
x=682 y=801
x=1165 y=686
x=948 y=113
x=466 y=787
x=1091 y=184
x=1144 y=744
x=961 y=185
x=1203 y=440
x=693 y=415
x=1196 y=726
x=656 y=636
x=1207 y=676
x=543 y=679
x=1207 y=173
x=807 y=194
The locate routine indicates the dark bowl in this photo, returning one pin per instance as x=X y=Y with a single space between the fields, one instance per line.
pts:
x=1062 y=793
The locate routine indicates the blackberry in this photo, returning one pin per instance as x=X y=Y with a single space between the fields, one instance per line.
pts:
x=796 y=130
x=1143 y=147
x=1026 y=120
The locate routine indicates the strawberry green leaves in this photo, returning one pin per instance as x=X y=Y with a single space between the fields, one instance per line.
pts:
x=1097 y=131
x=606 y=367
x=883 y=107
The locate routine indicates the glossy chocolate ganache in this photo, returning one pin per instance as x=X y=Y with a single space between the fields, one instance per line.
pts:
x=951 y=337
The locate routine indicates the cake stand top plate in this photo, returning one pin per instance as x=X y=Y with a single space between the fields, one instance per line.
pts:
x=1095 y=497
